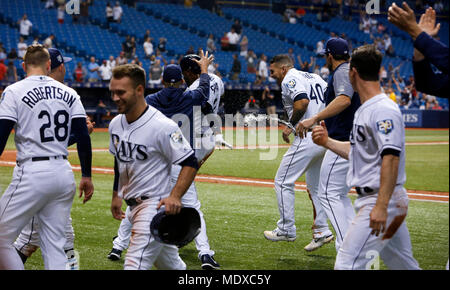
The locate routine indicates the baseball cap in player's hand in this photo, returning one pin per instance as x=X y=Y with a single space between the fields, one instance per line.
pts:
x=56 y=58
x=172 y=74
x=336 y=46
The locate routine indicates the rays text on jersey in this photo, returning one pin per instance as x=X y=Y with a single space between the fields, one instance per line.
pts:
x=38 y=94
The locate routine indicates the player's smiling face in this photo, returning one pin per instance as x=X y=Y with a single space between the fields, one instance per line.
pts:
x=123 y=94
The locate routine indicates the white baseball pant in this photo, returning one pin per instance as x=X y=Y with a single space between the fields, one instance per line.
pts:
x=28 y=240
x=333 y=194
x=302 y=156
x=190 y=199
x=144 y=250
x=45 y=190
x=360 y=249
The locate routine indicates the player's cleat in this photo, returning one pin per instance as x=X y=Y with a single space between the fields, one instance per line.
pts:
x=208 y=263
x=72 y=262
x=114 y=255
x=276 y=235
x=317 y=243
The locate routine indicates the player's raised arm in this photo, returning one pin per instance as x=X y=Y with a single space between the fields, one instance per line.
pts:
x=201 y=94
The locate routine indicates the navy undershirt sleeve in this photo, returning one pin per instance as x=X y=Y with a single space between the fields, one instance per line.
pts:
x=80 y=131
x=6 y=127
x=116 y=176
x=191 y=161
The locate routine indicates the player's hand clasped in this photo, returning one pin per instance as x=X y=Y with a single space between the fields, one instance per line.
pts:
x=303 y=127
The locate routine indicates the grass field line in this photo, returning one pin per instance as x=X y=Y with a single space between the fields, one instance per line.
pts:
x=442 y=197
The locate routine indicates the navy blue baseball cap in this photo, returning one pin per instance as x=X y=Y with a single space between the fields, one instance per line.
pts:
x=336 y=46
x=56 y=58
x=172 y=74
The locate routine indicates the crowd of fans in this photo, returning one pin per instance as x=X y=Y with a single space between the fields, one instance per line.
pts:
x=95 y=70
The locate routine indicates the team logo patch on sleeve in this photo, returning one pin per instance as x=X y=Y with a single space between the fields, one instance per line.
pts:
x=176 y=137
x=291 y=84
x=385 y=126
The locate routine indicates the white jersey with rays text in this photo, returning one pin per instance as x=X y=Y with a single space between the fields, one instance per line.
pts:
x=378 y=125
x=298 y=82
x=145 y=151
x=43 y=109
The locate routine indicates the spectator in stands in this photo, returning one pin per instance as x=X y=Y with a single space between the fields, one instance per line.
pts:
x=210 y=44
x=21 y=48
x=436 y=105
x=155 y=73
x=148 y=34
x=148 y=47
x=93 y=71
x=235 y=68
x=117 y=12
x=225 y=42
x=2 y=54
x=60 y=14
x=137 y=61
x=49 y=4
x=105 y=71
x=263 y=69
x=162 y=44
x=100 y=112
x=48 y=42
x=109 y=13
x=423 y=102
x=251 y=59
x=244 y=46
x=383 y=75
x=319 y=47
x=121 y=59
x=12 y=55
x=269 y=101
x=79 y=73
x=391 y=94
x=252 y=105
x=300 y=12
x=84 y=12
x=188 y=4
x=216 y=70
x=127 y=47
x=237 y=26
x=233 y=40
x=388 y=48
x=160 y=57
x=190 y=50
x=111 y=62
x=305 y=65
x=289 y=16
x=3 y=69
x=438 y=6
x=25 y=27
x=414 y=103
x=291 y=54
x=324 y=72
x=316 y=69
x=427 y=51
x=35 y=41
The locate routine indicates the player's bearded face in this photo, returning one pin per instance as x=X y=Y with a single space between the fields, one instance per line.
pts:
x=276 y=72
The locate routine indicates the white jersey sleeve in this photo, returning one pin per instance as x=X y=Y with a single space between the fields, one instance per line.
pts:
x=293 y=86
x=173 y=145
x=8 y=106
x=388 y=127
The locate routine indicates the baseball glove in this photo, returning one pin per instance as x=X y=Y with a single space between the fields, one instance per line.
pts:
x=179 y=229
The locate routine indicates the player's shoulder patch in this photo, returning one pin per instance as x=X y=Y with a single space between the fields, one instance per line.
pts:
x=176 y=137
x=291 y=84
x=385 y=126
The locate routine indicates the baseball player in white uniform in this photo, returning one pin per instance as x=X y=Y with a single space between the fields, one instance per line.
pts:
x=145 y=144
x=376 y=152
x=302 y=96
x=28 y=241
x=205 y=148
x=43 y=113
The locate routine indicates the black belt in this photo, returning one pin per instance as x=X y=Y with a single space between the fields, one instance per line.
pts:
x=44 y=158
x=364 y=190
x=135 y=201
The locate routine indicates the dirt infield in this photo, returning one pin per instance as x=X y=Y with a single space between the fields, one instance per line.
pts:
x=8 y=159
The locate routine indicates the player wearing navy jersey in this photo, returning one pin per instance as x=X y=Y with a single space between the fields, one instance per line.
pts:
x=376 y=153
